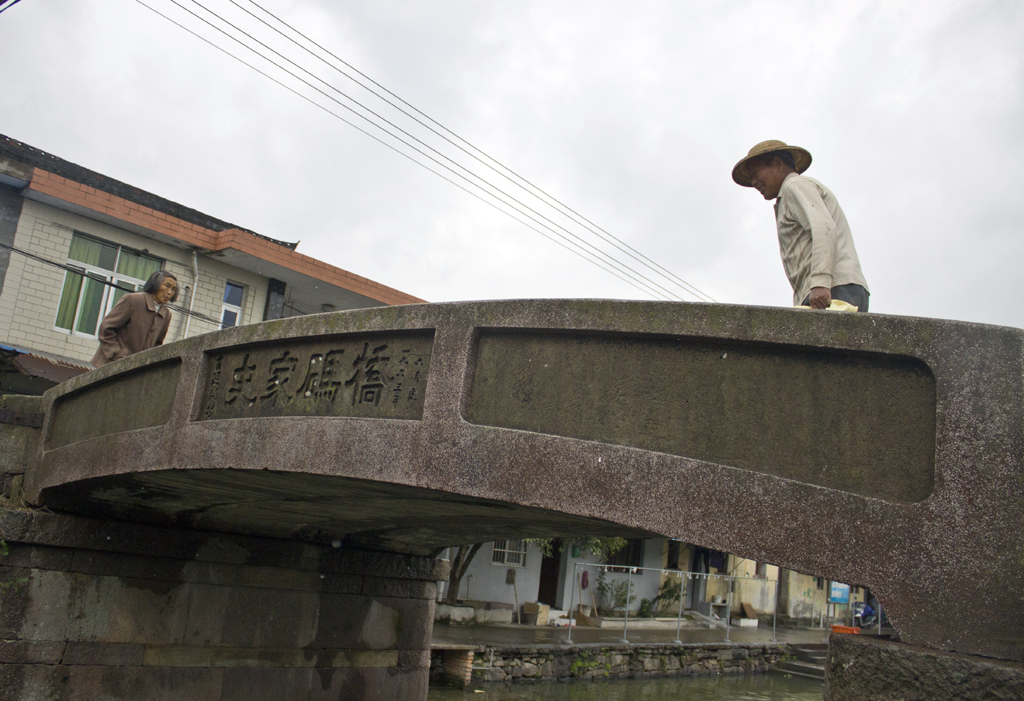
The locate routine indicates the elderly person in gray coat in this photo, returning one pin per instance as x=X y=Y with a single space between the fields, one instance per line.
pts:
x=138 y=321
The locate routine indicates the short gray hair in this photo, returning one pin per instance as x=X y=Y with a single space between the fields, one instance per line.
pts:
x=157 y=279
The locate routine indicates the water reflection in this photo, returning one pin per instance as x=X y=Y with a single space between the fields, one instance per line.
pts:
x=755 y=687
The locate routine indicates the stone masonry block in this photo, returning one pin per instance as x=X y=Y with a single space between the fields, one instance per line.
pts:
x=123 y=610
x=27 y=652
x=37 y=557
x=117 y=654
x=35 y=605
x=412 y=589
x=370 y=623
x=272 y=617
x=414 y=658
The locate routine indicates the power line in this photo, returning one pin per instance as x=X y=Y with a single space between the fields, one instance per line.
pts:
x=4 y=9
x=581 y=254
x=665 y=294
x=104 y=281
x=561 y=206
x=605 y=258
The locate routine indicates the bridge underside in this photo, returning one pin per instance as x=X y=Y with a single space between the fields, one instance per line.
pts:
x=880 y=451
x=318 y=509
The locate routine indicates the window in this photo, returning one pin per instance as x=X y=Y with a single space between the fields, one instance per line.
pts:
x=672 y=558
x=630 y=556
x=509 y=552
x=84 y=301
x=231 y=312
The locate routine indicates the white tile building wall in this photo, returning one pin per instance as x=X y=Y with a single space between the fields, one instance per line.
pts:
x=32 y=289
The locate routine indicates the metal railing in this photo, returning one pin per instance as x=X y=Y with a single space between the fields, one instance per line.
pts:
x=684 y=577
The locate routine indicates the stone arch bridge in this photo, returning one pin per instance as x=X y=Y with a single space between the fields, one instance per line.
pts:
x=880 y=451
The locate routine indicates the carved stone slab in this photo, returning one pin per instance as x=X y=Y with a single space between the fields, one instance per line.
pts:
x=381 y=376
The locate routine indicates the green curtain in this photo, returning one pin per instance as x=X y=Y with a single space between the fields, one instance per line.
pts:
x=136 y=266
x=91 y=252
x=92 y=302
x=105 y=256
x=69 y=301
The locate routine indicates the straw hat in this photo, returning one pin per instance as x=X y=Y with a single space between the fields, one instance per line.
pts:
x=802 y=158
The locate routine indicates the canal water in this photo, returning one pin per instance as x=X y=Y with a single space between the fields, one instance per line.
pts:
x=753 y=687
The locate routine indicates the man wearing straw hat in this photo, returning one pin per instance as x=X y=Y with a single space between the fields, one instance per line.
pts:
x=814 y=236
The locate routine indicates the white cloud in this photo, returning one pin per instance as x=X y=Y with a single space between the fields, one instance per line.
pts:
x=632 y=114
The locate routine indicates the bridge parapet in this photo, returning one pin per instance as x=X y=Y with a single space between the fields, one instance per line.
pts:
x=879 y=451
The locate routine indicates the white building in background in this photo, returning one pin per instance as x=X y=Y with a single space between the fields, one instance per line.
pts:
x=550 y=580
x=649 y=564
x=65 y=231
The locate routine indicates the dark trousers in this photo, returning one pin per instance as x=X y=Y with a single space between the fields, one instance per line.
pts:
x=852 y=294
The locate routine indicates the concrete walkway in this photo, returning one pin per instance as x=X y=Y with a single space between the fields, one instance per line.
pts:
x=511 y=634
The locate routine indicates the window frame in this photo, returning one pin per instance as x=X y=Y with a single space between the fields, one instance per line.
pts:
x=505 y=554
x=226 y=307
x=87 y=271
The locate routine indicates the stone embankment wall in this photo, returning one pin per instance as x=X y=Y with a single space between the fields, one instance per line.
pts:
x=121 y=612
x=863 y=667
x=594 y=662
x=17 y=440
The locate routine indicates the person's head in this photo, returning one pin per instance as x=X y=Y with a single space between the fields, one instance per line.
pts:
x=767 y=165
x=162 y=286
x=768 y=171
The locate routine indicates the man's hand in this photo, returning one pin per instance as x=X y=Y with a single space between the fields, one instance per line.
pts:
x=821 y=298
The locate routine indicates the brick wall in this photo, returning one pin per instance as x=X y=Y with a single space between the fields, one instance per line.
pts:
x=32 y=289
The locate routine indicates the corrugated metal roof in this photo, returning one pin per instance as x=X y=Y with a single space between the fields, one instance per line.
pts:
x=50 y=366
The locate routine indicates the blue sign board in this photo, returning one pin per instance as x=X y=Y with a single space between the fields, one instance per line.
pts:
x=839 y=593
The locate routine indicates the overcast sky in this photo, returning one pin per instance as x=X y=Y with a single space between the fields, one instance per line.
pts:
x=631 y=113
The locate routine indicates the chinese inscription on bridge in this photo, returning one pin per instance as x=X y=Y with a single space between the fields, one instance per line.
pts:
x=374 y=377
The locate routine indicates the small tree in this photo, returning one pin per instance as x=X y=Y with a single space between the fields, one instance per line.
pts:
x=667 y=598
x=460 y=563
x=600 y=548
x=613 y=595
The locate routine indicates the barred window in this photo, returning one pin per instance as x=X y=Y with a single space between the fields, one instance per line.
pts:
x=509 y=552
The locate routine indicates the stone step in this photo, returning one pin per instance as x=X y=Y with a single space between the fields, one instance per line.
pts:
x=798 y=674
x=802 y=669
x=815 y=656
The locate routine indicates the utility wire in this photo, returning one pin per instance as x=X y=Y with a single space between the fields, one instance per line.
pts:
x=543 y=195
x=606 y=259
x=102 y=280
x=4 y=9
x=666 y=294
x=636 y=277
x=574 y=251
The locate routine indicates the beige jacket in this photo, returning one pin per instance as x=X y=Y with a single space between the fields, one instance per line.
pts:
x=814 y=238
x=133 y=325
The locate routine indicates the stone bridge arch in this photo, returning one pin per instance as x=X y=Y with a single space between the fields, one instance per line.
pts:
x=880 y=451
